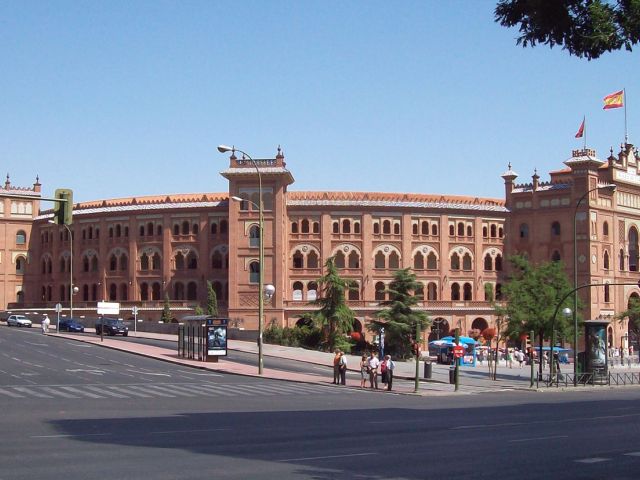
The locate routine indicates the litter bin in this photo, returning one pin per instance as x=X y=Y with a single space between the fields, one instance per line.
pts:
x=428 y=370
x=452 y=375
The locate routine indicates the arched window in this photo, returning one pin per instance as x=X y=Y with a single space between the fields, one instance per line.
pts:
x=224 y=227
x=524 y=230
x=425 y=228
x=555 y=229
x=605 y=260
x=110 y=232
x=21 y=237
x=312 y=260
x=379 y=260
x=485 y=232
x=493 y=231
x=432 y=291
x=178 y=291
x=455 y=291
x=468 y=293
x=466 y=262
x=498 y=263
x=185 y=227
x=633 y=249
x=85 y=293
x=555 y=257
x=254 y=272
x=294 y=227
x=113 y=292
x=605 y=229
x=155 y=261
x=85 y=264
x=214 y=228
x=394 y=260
x=142 y=230
x=488 y=262
x=124 y=262
x=179 y=261
x=150 y=229
x=305 y=226
x=469 y=231
x=216 y=260
x=144 y=292
x=354 y=259
x=94 y=264
x=316 y=227
x=254 y=236
x=339 y=260
x=380 y=295
x=159 y=230
x=414 y=229
x=386 y=226
x=460 y=229
x=607 y=293
x=118 y=230
x=192 y=291
x=336 y=227
x=346 y=226
x=376 y=228
x=432 y=261
x=124 y=292
x=298 y=260
x=455 y=262
x=434 y=229
x=396 y=228
x=20 y=265
x=452 y=230
x=176 y=229
x=155 y=291
x=312 y=291
x=500 y=232
x=418 y=261
x=297 y=291
x=195 y=229
x=113 y=263
x=356 y=227
x=192 y=261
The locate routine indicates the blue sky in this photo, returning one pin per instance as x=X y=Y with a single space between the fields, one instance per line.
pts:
x=115 y=99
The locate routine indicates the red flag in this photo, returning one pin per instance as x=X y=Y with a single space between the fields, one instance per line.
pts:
x=580 y=130
x=615 y=100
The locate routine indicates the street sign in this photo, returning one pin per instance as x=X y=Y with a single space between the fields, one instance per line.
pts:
x=134 y=310
x=458 y=351
x=58 y=307
x=108 y=308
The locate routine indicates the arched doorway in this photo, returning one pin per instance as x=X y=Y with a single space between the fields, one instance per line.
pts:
x=439 y=328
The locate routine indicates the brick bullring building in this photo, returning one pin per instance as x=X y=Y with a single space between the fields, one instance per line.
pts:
x=138 y=250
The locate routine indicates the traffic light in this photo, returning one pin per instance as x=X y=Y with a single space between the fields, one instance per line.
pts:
x=63 y=210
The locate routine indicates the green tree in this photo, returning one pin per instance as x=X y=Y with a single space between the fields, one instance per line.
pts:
x=400 y=318
x=531 y=296
x=334 y=316
x=212 y=301
x=585 y=28
x=633 y=312
x=166 y=311
x=198 y=310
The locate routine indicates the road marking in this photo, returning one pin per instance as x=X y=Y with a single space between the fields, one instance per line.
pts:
x=151 y=392
x=328 y=457
x=149 y=373
x=92 y=372
x=166 y=432
x=177 y=389
x=511 y=424
x=215 y=389
x=104 y=391
x=72 y=435
x=81 y=392
x=127 y=391
x=533 y=439
x=10 y=393
x=34 y=393
x=53 y=391
x=593 y=460
x=633 y=454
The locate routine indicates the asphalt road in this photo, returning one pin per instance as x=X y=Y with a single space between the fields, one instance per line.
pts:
x=77 y=411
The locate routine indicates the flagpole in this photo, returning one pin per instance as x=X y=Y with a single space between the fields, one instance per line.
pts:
x=624 y=97
x=584 y=122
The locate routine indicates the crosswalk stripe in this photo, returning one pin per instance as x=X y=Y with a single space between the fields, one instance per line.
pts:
x=58 y=393
x=237 y=390
x=129 y=392
x=104 y=391
x=173 y=389
x=80 y=392
x=215 y=390
x=259 y=390
x=151 y=391
x=32 y=392
x=10 y=393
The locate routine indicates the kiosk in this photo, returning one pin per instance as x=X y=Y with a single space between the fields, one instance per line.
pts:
x=203 y=337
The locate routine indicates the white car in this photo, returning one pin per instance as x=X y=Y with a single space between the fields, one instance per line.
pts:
x=18 y=321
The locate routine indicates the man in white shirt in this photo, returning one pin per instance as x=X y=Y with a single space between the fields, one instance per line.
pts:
x=374 y=364
x=343 y=369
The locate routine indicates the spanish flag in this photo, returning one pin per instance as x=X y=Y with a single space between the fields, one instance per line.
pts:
x=615 y=100
x=580 y=130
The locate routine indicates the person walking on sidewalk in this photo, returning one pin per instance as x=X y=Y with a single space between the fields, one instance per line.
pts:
x=389 y=366
x=342 y=366
x=45 y=324
x=373 y=363
x=336 y=367
x=364 y=371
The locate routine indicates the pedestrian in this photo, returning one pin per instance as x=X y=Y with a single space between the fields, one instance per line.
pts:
x=389 y=366
x=336 y=367
x=373 y=363
x=364 y=371
x=342 y=366
x=519 y=357
x=509 y=357
x=45 y=324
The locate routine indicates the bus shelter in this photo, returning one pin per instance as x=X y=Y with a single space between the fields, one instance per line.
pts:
x=202 y=337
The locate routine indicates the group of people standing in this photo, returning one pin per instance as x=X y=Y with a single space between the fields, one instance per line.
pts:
x=370 y=367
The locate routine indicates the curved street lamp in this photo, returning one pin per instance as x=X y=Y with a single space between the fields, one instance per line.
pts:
x=261 y=288
x=612 y=188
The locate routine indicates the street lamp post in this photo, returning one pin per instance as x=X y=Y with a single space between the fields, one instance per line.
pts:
x=261 y=293
x=72 y=289
x=611 y=187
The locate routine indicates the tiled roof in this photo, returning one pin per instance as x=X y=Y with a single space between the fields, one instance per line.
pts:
x=541 y=188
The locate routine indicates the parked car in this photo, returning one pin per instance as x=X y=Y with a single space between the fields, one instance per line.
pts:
x=18 y=321
x=71 y=325
x=111 y=326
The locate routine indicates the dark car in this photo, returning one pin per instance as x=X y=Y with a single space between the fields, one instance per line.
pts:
x=111 y=326
x=71 y=325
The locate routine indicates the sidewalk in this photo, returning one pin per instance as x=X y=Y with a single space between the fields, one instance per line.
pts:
x=472 y=379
